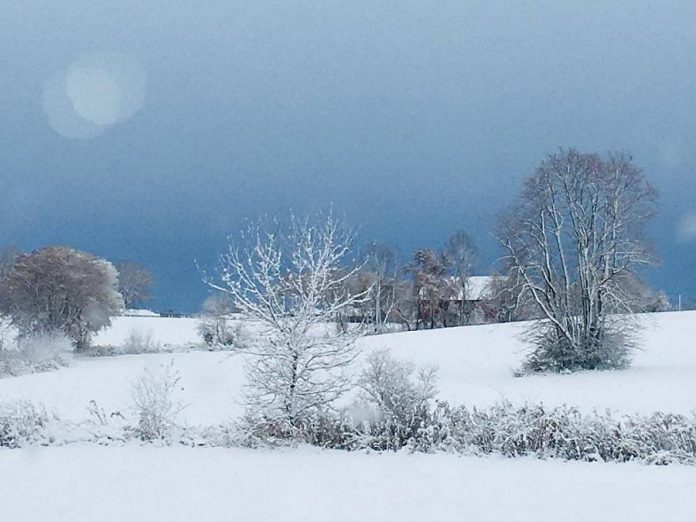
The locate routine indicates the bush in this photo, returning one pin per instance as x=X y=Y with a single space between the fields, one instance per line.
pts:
x=35 y=353
x=395 y=400
x=138 y=342
x=330 y=430
x=507 y=430
x=21 y=423
x=563 y=432
x=155 y=402
x=554 y=353
x=395 y=410
x=219 y=333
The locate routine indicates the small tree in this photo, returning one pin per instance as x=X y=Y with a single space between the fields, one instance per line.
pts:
x=406 y=305
x=217 y=328
x=61 y=289
x=574 y=240
x=431 y=287
x=461 y=255
x=292 y=285
x=135 y=283
x=380 y=271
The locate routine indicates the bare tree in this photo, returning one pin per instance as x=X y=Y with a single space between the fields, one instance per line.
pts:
x=380 y=273
x=574 y=234
x=406 y=305
x=292 y=285
x=61 y=289
x=461 y=255
x=217 y=327
x=431 y=287
x=135 y=283
x=509 y=301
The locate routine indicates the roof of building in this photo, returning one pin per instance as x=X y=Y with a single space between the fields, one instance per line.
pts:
x=478 y=287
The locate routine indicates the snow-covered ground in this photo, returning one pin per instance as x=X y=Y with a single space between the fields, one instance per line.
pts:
x=166 y=331
x=135 y=483
x=476 y=365
x=86 y=482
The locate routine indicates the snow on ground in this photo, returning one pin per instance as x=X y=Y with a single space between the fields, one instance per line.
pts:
x=136 y=483
x=211 y=385
x=84 y=482
x=476 y=366
x=167 y=331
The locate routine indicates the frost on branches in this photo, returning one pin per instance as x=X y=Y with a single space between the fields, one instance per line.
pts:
x=293 y=285
x=576 y=242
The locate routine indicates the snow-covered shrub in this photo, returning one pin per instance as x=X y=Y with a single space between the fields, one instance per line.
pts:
x=46 y=351
x=563 y=432
x=257 y=428
x=391 y=411
x=35 y=353
x=560 y=432
x=326 y=429
x=21 y=423
x=395 y=401
x=220 y=333
x=555 y=353
x=139 y=342
x=156 y=402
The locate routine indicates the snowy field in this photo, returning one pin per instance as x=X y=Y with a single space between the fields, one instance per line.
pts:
x=92 y=483
x=476 y=368
x=87 y=482
x=166 y=331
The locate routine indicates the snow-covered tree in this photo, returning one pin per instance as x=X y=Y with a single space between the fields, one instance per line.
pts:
x=217 y=327
x=291 y=284
x=574 y=239
x=135 y=283
x=508 y=300
x=389 y=384
x=61 y=289
x=380 y=273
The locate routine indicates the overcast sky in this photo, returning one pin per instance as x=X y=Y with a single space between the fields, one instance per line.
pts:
x=412 y=118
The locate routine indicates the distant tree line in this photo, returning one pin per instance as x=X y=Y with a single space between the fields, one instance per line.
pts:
x=574 y=248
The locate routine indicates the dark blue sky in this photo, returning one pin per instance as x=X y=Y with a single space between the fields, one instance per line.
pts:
x=413 y=118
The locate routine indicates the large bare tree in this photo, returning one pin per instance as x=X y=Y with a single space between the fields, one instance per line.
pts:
x=575 y=234
x=291 y=284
